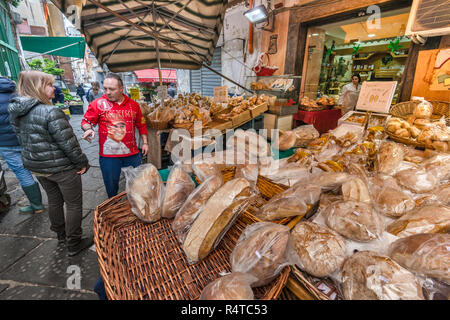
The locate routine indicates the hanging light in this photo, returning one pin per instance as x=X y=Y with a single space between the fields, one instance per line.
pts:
x=257 y=14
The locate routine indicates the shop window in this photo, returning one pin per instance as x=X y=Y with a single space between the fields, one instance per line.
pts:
x=376 y=49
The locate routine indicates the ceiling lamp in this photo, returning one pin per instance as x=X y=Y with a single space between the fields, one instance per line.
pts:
x=260 y=14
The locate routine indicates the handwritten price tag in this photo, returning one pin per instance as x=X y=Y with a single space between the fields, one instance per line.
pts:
x=376 y=96
x=221 y=94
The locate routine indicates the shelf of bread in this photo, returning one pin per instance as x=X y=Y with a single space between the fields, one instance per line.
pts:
x=359 y=118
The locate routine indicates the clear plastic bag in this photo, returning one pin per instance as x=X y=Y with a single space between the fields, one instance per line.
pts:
x=356 y=189
x=305 y=134
x=262 y=250
x=233 y=286
x=329 y=181
x=367 y=275
x=424 y=109
x=424 y=254
x=216 y=217
x=204 y=170
x=296 y=200
x=389 y=157
x=190 y=209
x=441 y=196
x=145 y=191
x=426 y=219
x=288 y=174
x=417 y=180
x=178 y=188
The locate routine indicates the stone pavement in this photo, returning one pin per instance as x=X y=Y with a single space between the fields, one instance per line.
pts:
x=32 y=264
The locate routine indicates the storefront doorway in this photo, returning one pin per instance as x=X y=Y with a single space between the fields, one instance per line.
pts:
x=374 y=47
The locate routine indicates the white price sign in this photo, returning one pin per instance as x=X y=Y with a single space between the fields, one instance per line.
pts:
x=376 y=96
x=221 y=94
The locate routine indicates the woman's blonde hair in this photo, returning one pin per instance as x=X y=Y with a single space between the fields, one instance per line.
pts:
x=32 y=84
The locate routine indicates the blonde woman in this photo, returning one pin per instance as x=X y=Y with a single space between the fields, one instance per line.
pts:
x=51 y=151
x=95 y=92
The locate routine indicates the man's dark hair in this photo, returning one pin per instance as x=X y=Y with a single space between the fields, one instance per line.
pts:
x=115 y=76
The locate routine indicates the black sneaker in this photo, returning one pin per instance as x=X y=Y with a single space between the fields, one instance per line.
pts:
x=61 y=237
x=83 y=244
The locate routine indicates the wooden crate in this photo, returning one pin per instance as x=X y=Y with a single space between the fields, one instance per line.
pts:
x=283 y=110
x=260 y=109
x=241 y=118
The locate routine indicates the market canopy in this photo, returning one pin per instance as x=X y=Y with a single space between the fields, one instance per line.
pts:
x=152 y=75
x=121 y=32
x=72 y=47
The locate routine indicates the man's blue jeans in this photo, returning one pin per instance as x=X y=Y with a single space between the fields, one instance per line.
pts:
x=111 y=168
x=13 y=157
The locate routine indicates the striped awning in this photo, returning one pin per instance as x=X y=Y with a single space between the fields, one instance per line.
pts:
x=190 y=26
x=152 y=75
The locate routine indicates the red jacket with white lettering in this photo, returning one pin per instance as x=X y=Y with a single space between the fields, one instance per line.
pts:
x=117 y=124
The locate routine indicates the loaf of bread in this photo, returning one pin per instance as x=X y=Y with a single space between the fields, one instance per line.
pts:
x=145 y=191
x=287 y=140
x=439 y=165
x=427 y=219
x=388 y=198
x=188 y=212
x=233 y=286
x=367 y=275
x=423 y=110
x=329 y=180
x=203 y=170
x=261 y=251
x=214 y=219
x=356 y=189
x=389 y=157
x=417 y=180
x=354 y=220
x=320 y=249
x=424 y=254
x=178 y=188
x=296 y=200
x=439 y=196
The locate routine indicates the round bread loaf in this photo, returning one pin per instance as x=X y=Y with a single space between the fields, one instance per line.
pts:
x=233 y=286
x=356 y=189
x=178 y=188
x=426 y=254
x=389 y=157
x=287 y=140
x=261 y=251
x=320 y=249
x=354 y=220
x=369 y=276
x=417 y=180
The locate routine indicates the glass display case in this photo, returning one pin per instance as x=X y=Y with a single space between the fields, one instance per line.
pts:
x=282 y=86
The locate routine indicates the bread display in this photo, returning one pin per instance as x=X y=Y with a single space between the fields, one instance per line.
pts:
x=215 y=218
x=417 y=180
x=389 y=157
x=178 y=188
x=329 y=180
x=287 y=140
x=261 y=251
x=145 y=191
x=320 y=249
x=388 y=198
x=439 y=196
x=427 y=219
x=296 y=200
x=423 y=110
x=305 y=134
x=367 y=275
x=354 y=220
x=190 y=209
x=424 y=254
x=356 y=189
x=233 y=286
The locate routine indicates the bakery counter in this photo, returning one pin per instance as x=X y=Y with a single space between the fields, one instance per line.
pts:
x=323 y=120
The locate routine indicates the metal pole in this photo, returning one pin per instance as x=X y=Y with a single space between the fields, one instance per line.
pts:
x=153 y=35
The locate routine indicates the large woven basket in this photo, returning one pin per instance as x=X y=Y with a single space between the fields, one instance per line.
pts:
x=145 y=261
x=405 y=109
x=406 y=141
x=157 y=124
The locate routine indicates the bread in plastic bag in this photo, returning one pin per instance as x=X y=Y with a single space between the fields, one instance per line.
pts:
x=297 y=200
x=216 y=217
x=367 y=275
x=286 y=140
x=417 y=180
x=321 y=251
x=233 y=286
x=305 y=134
x=287 y=175
x=356 y=189
x=440 y=196
x=203 y=170
x=424 y=254
x=145 y=191
x=426 y=219
x=263 y=251
x=329 y=180
x=388 y=197
x=389 y=157
x=188 y=212
x=178 y=188
x=354 y=220
x=424 y=110
x=439 y=166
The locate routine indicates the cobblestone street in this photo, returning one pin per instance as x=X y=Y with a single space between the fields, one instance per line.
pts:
x=32 y=264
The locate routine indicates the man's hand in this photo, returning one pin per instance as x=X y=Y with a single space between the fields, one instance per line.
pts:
x=88 y=135
x=144 y=149
x=82 y=171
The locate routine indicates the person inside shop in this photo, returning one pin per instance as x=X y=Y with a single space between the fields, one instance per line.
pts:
x=349 y=94
x=50 y=150
x=95 y=92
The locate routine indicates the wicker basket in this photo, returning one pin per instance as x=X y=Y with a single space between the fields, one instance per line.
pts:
x=319 y=108
x=187 y=125
x=405 y=109
x=145 y=261
x=157 y=124
x=406 y=141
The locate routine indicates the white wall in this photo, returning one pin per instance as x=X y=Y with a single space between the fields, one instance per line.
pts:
x=33 y=11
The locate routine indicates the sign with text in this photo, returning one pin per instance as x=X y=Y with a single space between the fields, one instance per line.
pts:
x=134 y=93
x=162 y=92
x=221 y=94
x=376 y=96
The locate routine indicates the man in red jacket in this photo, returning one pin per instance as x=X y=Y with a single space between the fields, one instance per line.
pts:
x=117 y=117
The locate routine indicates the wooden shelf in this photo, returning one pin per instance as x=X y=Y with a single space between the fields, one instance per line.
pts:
x=398 y=55
x=365 y=58
x=365 y=70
